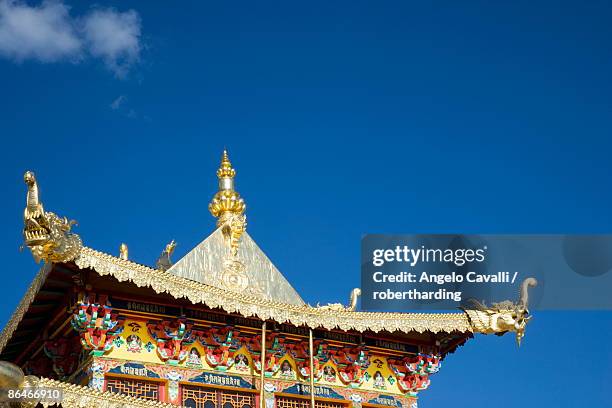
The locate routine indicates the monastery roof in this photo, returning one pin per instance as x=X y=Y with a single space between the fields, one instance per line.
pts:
x=244 y=304
x=227 y=271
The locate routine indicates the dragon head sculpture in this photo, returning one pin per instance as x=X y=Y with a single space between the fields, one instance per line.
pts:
x=505 y=316
x=36 y=230
x=47 y=235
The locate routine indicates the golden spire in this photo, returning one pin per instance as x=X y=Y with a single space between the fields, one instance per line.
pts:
x=226 y=169
x=227 y=205
x=227 y=201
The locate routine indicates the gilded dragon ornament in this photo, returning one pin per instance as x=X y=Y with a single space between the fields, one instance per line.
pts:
x=352 y=306
x=47 y=235
x=504 y=316
x=164 y=262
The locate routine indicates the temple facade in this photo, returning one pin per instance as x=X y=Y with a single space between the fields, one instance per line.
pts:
x=219 y=328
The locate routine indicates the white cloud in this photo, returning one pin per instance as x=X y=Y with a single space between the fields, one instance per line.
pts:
x=45 y=33
x=118 y=102
x=48 y=33
x=121 y=106
x=114 y=37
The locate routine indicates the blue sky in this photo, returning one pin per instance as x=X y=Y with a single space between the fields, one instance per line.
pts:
x=341 y=119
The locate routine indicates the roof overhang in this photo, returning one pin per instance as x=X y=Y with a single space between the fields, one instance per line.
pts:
x=231 y=302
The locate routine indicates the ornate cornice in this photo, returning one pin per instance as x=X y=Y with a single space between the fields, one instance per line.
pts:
x=483 y=320
x=249 y=305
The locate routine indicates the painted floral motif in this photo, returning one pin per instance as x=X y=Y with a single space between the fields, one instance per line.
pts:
x=99 y=367
x=173 y=385
x=353 y=365
x=300 y=352
x=412 y=373
x=274 y=351
x=97 y=324
x=269 y=387
x=118 y=342
x=356 y=399
x=172 y=337
x=221 y=347
x=272 y=365
x=97 y=376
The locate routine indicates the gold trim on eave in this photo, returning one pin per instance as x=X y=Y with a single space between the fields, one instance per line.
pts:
x=248 y=305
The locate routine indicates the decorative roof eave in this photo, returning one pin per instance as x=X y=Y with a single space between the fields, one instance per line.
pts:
x=49 y=237
x=23 y=306
x=78 y=396
x=248 y=305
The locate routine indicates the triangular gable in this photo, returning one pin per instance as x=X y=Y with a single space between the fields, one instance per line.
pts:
x=209 y=263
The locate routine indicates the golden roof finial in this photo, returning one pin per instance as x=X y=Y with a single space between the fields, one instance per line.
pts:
x=226 y=169
x=227 y=205
x=47 y=235
x=226 y=201
x=123 y=251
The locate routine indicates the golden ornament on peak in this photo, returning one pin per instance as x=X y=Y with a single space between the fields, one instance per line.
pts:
x=123 y=251
x=227 y=205
x=226 y=201
x=226 y=169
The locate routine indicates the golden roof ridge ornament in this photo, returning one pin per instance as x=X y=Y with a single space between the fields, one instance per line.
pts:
x=227 y=205
x=47 y=235
x=503 y=317
x=351 y=307
x=164 y=262
x=123 y=251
